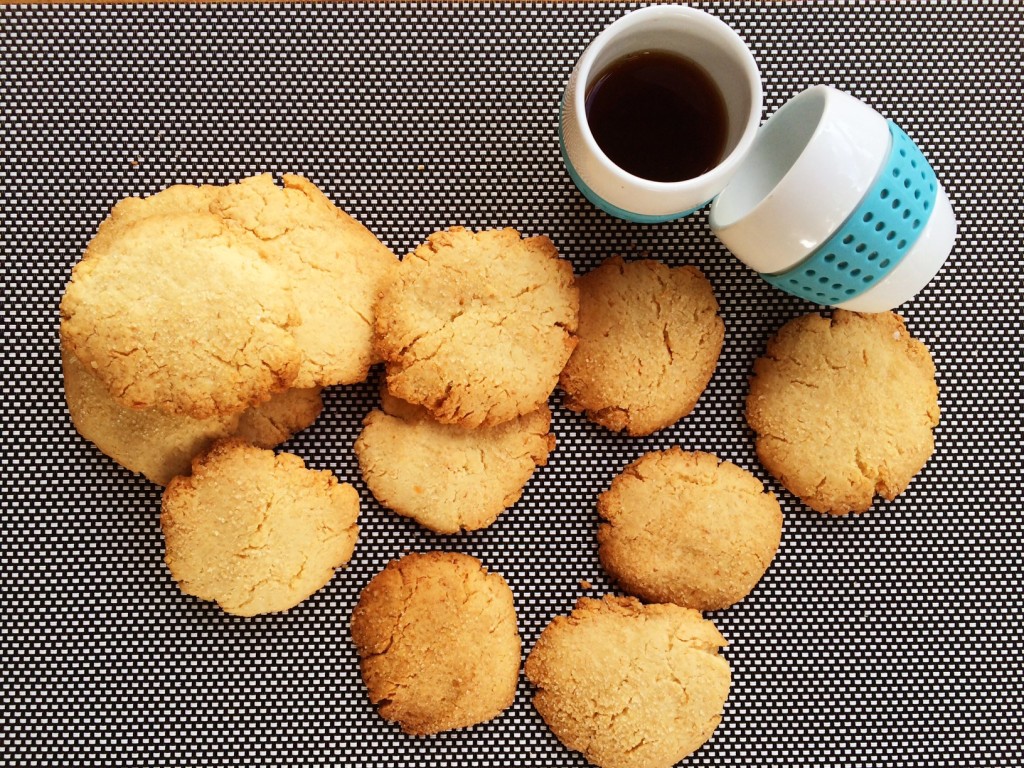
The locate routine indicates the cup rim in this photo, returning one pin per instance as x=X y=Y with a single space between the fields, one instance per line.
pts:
x=738 y=152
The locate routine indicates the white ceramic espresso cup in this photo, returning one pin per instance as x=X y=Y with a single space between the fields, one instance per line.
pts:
x=687 y=32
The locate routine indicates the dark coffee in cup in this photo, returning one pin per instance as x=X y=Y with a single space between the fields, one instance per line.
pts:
x=658 y=115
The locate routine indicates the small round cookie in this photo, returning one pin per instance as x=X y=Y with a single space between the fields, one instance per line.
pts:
x=844 y=408
x=688 y=529
x=630 y=685
x=157 y=445
x=649 y=340
x=444 y=477
x=334 y=266
x=280 y=418
x=438 y=643
x=177 y=313
x=254 y=531
x=478 y=326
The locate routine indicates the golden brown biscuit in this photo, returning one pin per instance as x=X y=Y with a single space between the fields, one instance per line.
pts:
x=437 y=638
x=844 y=408
x=176 y=328
x=649 y=341
x=444 y=477
x=254 y=531
x=335 y=268
x=478 y=326
x=155 y=444
x=685 y=528
x=178 y=313
x=280 y=418
x=630 y=685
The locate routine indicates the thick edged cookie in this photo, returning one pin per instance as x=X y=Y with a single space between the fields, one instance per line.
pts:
x=844 y=408
x=630 y=685
x=444 y=477
x=177 y=312
x=688 y=529
x=254 y=531
x=649 y=341
x=437 y=638
x=477 y=326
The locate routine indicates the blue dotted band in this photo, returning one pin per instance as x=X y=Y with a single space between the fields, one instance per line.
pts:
x=876 y=236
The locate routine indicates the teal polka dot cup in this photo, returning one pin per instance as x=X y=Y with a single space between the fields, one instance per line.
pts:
x=837 y=205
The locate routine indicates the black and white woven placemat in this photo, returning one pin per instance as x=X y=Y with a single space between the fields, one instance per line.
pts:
x=894 y=638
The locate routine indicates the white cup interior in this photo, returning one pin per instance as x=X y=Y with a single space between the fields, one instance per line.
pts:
x=779 y=144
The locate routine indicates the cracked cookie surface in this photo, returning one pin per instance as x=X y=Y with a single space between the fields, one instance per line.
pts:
x=686 y=528
x=208 y=299
x=844 y=408
x=444 y=477
x=254 y=531
x=438 y=644
x=334 y=266
x=477 y=326
x=176 y=312
x=630 y=685
x=649 y=341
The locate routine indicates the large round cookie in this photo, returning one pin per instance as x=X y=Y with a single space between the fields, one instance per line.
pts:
x=179 y=313
x=478 y=326
x=844 y=408
x=254 y=531
x=197 y=327
x=437 y=638
x=630 y=685
x=649 y=340
x=444 y=477
x=688 y=529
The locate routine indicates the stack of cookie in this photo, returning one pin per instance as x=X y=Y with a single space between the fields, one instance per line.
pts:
x=196 y=333
x=204 y=312
x=474 y=332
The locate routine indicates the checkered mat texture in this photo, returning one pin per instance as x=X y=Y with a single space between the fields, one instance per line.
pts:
x=893 y=638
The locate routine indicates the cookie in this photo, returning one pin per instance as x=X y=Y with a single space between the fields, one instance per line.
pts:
x=630 y=685
x=687 y=528
x=155 y=444
x=282 y=417
x=334 y=266
x=254 y=531
x=444 y=477
x=162 y=445
x=477 y=326
x=438 y=644
x=160 y=274
x=844 y=409
x=176 y=312
x=649 y=341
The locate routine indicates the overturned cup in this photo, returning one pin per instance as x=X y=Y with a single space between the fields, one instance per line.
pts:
x=837 y=205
